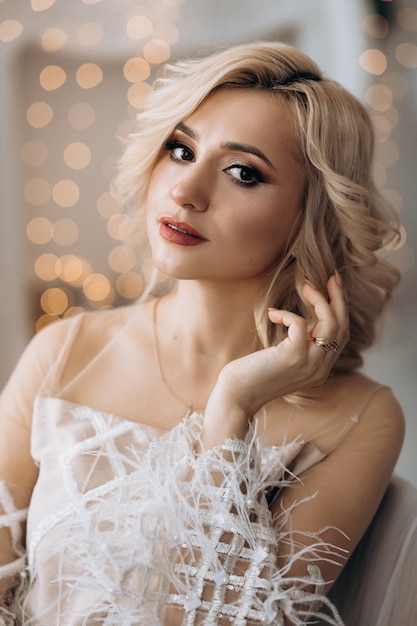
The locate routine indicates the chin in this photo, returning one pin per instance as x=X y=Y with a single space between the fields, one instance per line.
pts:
x=175 y=271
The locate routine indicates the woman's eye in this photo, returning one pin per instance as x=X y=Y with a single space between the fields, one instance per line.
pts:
x=244 y=175
x=179 y=152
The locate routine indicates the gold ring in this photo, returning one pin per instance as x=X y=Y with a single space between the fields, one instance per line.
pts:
x=326 y=344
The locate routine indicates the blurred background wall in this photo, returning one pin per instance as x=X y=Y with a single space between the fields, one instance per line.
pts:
x=73 y=76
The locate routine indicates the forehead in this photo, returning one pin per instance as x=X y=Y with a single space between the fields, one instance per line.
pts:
x=259 y=117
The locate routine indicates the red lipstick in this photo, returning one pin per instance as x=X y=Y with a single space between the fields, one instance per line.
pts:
x=180 y=233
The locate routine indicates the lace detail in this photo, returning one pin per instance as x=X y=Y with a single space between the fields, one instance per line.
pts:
x=149 y=533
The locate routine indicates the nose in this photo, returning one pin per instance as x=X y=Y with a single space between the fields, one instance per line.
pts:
x=191 y=190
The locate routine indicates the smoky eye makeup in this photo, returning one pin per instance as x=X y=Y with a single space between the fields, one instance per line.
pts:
x=179 y=151
x=244 y=175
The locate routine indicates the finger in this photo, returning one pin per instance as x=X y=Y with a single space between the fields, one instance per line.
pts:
x=338 y=303
x=296 y=325
x=326 y=318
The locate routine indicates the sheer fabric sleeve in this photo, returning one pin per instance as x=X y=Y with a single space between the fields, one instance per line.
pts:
x=18 y=472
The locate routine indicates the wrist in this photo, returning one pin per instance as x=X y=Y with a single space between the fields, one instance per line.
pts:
x=224 y=419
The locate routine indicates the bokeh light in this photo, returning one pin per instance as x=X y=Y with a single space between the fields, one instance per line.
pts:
x=10 y=30
x=107 y=205
x=54 y=301
x=375 y=26
x=41 y=5
x=97 y=287
x=77 y=155
x=81 y=115
x=67 y=162
x=136 y=69
x=37 y=191
x=89 y=75
x=52 y=77
x=89 y=34
x=122 y=259
x=39 y=230
x=406 y=55
x=39 y=114
x=66 y=193
x=53 y=39
x=45 y=266
x=138 y=94
x=139 y=27
x=156 y=51
x=75 y=227
x=379 y=97
x=373 y=61
x=129 y=285
x=407 y=18
x=71 y=269
x=119 y=226
x=65 y=232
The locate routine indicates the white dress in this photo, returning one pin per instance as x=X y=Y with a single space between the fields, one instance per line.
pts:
x=132 y=522
x=128 y=526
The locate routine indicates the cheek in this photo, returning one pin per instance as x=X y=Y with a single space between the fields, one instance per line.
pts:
x=261 y=227
x=152 y=185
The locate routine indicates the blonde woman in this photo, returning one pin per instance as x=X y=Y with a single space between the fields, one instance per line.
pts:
x=211 y=455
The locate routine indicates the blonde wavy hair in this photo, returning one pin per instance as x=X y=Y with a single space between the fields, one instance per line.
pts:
x=345 y=219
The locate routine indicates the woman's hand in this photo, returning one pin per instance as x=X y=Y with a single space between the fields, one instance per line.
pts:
x=248 y=383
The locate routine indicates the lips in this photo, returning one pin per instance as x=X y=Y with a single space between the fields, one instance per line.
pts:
x=180 y=232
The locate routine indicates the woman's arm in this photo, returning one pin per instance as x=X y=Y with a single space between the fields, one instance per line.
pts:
x=335 y=501
x=18 y=472
x=247 y=384
x=347 y=485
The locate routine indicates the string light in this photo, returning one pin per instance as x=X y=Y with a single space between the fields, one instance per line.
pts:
x=39 y=114
x=81 y=115
x=77 y=155
x=64 y=148
x=380 y=96
x=89 y=34
x=52 y=77
x=58 y=145
x=89 y=75
x=10 y=30
x=41 y=5
x=53 y=39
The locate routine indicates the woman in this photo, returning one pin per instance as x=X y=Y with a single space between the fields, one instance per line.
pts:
x=211 y=455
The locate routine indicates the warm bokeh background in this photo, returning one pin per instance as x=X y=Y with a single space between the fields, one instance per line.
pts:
x=75 y=73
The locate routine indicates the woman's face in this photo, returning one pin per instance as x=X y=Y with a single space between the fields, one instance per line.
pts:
x=226 y=192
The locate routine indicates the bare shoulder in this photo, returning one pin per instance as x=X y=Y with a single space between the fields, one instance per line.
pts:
x=93 y=326
x=343 y=491
x=370 y=415
x=80 y=336
x=350 y=407
x=377 y=407
x=380 y=423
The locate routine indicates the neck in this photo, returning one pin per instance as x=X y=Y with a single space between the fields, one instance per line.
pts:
x=198 y=330
x=212 y=320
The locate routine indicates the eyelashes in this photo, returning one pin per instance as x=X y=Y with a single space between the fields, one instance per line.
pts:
x=179 y=151
x=243 y=175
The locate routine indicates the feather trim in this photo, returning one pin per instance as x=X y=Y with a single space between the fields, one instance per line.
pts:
x=177 y=538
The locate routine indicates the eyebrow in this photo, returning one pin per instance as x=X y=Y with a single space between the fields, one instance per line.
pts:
x=230 y=145
x=242 y=147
